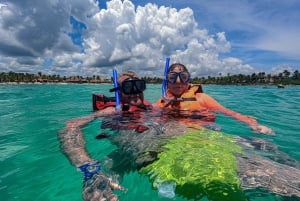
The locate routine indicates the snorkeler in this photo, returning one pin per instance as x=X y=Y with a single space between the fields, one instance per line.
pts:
x=161 y=152
x=183 y=97
x=97 y=185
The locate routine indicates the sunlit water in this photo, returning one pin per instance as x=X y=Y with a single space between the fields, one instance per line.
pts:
x=33 y=167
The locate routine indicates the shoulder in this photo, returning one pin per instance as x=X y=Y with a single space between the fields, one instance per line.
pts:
x=208 y=101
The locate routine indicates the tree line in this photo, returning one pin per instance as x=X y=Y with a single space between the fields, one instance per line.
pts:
x=285 y=78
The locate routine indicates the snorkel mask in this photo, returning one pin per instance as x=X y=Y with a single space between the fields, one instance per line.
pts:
x=184 y=77
x=131 y=86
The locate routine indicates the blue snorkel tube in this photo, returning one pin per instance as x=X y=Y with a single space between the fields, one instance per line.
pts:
x=164 y=82
x=117 y=93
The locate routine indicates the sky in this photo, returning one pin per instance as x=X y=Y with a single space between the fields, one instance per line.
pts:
x=92 y=37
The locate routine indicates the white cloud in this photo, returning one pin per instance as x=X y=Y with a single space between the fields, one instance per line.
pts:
x=146 y=35
x=283 y=42
x=129 y=37
x=279 y=69
x=256 y=25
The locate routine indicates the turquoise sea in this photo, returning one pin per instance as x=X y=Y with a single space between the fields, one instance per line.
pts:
x=33 y=167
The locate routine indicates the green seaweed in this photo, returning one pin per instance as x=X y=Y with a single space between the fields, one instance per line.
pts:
x=201 y=163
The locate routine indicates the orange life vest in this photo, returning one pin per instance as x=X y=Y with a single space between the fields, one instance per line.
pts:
x=187 y=105
x=101 y=102
x=186 y=101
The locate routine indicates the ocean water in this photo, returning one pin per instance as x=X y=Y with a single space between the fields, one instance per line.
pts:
x=33 y=167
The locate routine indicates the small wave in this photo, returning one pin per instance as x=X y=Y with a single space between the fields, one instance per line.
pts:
x=10 y=150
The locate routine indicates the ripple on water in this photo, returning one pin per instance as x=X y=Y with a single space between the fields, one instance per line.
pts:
x=33 y=166
x=9 y=150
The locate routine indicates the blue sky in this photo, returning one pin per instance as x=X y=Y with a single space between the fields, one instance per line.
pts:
x=76 y=37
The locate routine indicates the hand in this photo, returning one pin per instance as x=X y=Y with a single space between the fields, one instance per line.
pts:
x=99 y=188
x=262 y=129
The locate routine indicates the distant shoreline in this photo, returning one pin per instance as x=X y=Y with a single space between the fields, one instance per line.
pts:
x=281 y=79
x=49 y=83
x=108 y=83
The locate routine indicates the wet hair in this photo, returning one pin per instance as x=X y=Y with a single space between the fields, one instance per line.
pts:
x=127 y=75
x=173 y=66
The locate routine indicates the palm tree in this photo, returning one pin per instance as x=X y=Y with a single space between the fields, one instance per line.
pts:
x=286 y=73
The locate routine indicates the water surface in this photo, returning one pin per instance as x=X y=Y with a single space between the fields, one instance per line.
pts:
x=34 y=168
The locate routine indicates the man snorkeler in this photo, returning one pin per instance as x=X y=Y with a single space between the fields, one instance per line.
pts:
x=97 y=185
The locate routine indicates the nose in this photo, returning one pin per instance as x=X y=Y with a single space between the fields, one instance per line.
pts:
x=178 y=79
x=134 y=88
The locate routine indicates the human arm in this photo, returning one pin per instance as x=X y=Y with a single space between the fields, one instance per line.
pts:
x=97 y=185
x=210 y=103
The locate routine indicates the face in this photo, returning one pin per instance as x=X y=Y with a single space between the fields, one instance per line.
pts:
x=133 y=99
x=131 y=91
x=177 y=87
